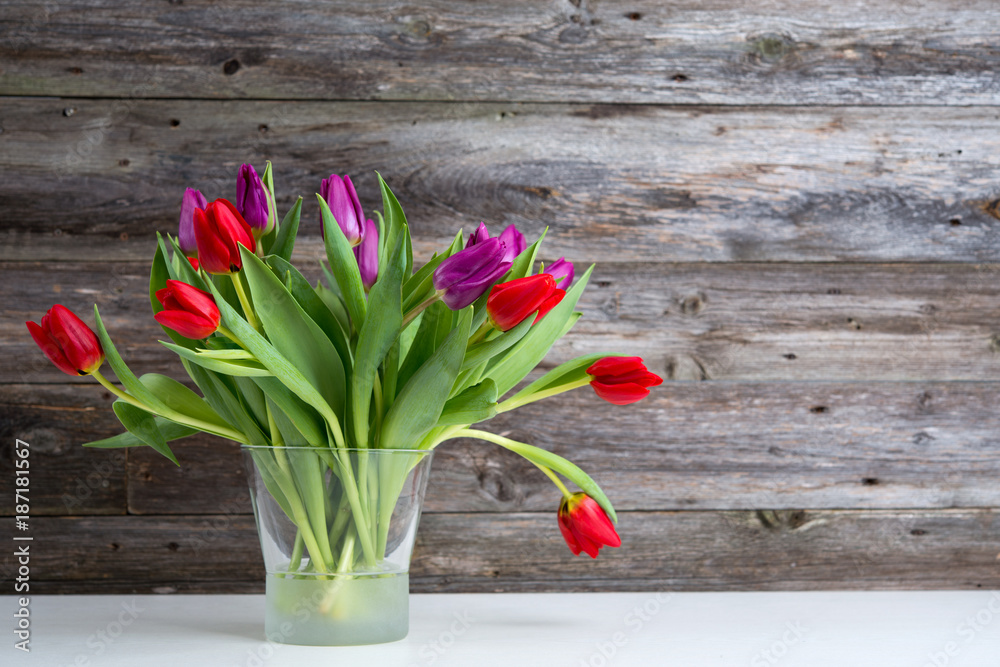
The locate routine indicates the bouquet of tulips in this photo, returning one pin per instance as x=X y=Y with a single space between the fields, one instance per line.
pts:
x=382 y=356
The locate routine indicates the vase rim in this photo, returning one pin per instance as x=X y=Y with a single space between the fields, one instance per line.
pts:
x=370 y=450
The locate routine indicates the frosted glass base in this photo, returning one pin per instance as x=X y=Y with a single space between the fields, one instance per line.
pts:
x=340 y=612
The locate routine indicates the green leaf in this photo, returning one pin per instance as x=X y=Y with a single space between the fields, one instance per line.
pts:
x=182 y=400
x=142 y=425
x=385 y=317
x=344 y=266
x=530 y=350
x=284 y=241
x=170 y=431
x=183 y=271
x=435 y=325
x=480 y=354
x=220 y=392
x=475 y=404
x=314 y=307
x=209 y=360
x=280 y=366
x=122 y=371
x=306 y=420
x=294 y=334
x=395 y=223
x=336 y=306
x=421 y=400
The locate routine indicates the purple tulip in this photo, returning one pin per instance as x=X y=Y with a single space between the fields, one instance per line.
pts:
x=481 y=234
x=367 y=255
x=342 y=198
x=185 y=235
x=253 y=200
x=562 y=271
x=514 y=242
x=466 y=275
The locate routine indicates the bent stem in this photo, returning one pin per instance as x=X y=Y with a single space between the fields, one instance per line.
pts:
x=511 y=403
x=244 y=301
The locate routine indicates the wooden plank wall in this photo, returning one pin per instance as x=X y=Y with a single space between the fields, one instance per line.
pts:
x=794 y=209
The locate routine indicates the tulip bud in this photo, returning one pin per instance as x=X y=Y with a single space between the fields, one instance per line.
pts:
x=194 y=262
x=367 y=255
x=622 y=380
x=345 y=206
x=68 y=343
x=562 y=271
x=185 y=233
x=511 y=302
x=466 y=275
x=253 y=201
x=189 y=311
x=514 y=243
x=220 y=230
x=481 y=234
x=585 y=526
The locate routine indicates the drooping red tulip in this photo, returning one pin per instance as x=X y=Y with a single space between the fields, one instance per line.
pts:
x=622 y=380
x=189 y=311
x=219 y=230
x=68 y=343
x=509 y=303
x=585 y=526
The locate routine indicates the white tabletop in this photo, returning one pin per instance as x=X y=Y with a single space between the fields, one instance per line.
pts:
x=842 y=629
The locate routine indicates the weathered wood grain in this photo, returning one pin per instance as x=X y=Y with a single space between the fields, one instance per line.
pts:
x=524 y=552
x=731 y=321
x=64 y=478
x=612 y=183
x=713 y=446
x=719 y=52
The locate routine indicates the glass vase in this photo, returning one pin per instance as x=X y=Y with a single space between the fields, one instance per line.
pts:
x=337 y=528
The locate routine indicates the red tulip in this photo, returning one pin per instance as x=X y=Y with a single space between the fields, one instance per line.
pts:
x=585 y=526
x=622 y=380
x=219 y=230
x=509 y=303
x=194 y=262
x=189 y=311
x=67 y=342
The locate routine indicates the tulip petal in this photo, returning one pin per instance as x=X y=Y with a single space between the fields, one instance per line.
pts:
x=615 y=365
x=213 y=255
x=77 y=341
x=50 y=348
x=619 y=394
x=189 y=325
x=191 y=298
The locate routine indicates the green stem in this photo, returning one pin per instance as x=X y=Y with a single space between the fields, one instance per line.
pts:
x=481 y=333
x=231 y=336
x=419 y=308
x=172 y=415
x=513 y=446
x=555 y=480
x=247 y=308
x=511 y=404
x=296 y=561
